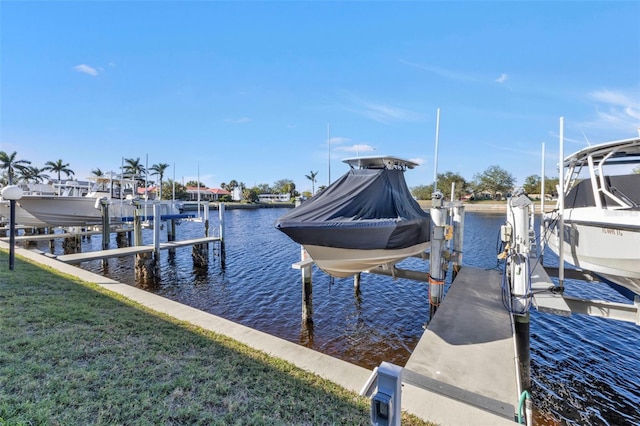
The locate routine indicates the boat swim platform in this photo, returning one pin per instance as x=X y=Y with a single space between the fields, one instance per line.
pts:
x=465 y=362
x=126 y=251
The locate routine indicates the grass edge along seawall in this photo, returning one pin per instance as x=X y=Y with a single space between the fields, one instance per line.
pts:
x=75 y=351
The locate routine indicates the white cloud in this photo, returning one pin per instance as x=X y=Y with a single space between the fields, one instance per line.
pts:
x=614 y=98
x=86 y=69
x=615 y=110
x=380 y=112
x=238 y=120
x=503 y=77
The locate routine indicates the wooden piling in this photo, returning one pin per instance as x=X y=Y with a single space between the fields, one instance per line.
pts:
x=71 y=244
x=171 y=230
x=106 y=236
x=200 y=255
x=223 y=253
x=307 y=288
x=122 y=239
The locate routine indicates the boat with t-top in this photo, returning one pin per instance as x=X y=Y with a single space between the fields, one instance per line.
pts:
x=601 y=212
x=367 y=218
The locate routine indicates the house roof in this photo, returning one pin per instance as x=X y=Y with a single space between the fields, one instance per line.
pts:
x=211 y=190
x=148 y=190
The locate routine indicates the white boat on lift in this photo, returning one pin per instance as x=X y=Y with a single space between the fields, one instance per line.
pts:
x=601 y=212
x=66 y=211
x=25 y=218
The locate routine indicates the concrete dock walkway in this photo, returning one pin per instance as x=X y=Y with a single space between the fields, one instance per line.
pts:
x=466 y=359
x=436 y=391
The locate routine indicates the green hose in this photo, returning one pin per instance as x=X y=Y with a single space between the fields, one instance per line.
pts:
x=523 y=396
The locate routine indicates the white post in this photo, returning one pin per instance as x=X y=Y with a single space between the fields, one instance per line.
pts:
x=517 y=262
x=435 y=160
x=329 y=143
x=561 y=208
x=542 y=193
x=437 y=273
x=458 y=234
x=156 y=229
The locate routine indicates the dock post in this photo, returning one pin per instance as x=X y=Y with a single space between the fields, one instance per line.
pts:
x=145 y=263
x=156 y=230
x=207 y=213
x=437 y=272
x=523 y=345
x=356 y=282
x=518 y=234
x=171 y=230
x=458 y=234
x=200 y=252
x=104 y=210
x=137 y=227
x=307 y=289
x=71 y=244
x=223 y=253
x=122 y=240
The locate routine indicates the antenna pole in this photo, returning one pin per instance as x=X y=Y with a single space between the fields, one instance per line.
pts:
x=435 y=160
x=561 y=208
x=542 y=194
x=329 y=143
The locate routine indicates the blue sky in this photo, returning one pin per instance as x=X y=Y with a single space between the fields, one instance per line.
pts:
x=248 y=90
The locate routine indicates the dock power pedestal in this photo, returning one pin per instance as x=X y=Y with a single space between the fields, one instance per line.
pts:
x=386 y=402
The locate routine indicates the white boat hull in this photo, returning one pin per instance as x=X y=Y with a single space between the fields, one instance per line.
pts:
x=23 y=217
x=81 y=211
x=606 y=242
x=342 y=263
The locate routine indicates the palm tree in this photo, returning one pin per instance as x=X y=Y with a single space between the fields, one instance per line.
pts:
x=312 y=177
x=10 y=163
x=97 y=172
x=32 y=173
x=158 y=169
x=58 y=167
x=134 y=168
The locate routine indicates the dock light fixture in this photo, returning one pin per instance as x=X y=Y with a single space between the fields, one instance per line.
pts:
x=12 y=193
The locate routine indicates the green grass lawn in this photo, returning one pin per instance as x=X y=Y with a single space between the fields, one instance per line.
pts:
x=72 y=353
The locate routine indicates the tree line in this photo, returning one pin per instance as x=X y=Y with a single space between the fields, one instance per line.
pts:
x=492 y=183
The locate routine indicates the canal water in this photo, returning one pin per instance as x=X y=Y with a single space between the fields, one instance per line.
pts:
x=585 y=370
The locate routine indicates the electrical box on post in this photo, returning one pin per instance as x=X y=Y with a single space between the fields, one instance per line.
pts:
x=386 y=403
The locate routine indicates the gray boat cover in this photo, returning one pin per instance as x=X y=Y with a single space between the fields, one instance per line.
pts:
x=364 y=209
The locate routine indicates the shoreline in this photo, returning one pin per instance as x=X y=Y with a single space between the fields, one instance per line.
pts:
x=425 y=204
x=488 y=207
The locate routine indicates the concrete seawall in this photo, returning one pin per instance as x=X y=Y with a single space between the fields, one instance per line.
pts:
x=488 y=207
